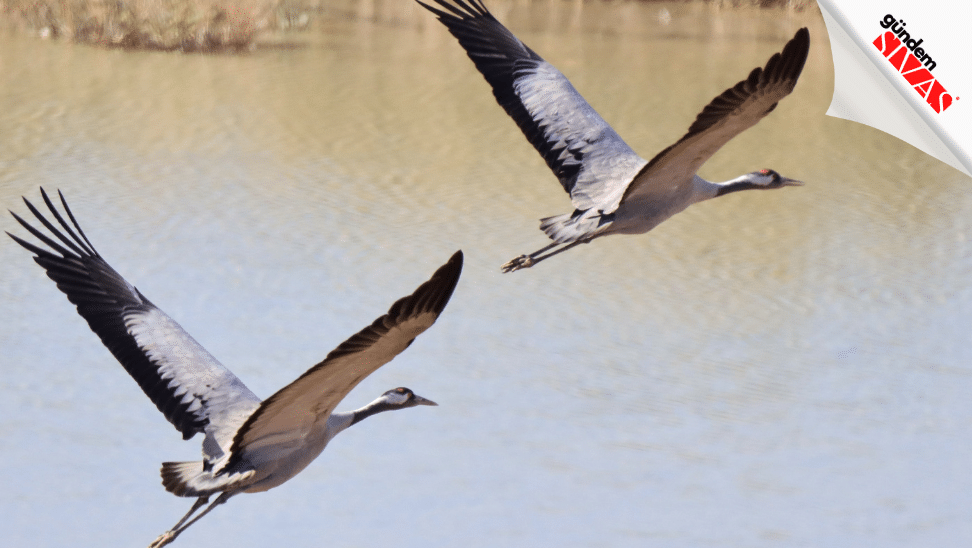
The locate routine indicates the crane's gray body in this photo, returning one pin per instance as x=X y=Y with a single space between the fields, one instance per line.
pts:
x=613 y=189
x=249 y=445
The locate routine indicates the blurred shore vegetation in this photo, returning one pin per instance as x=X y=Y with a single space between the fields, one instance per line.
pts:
x=184 y=25
x=208 y=25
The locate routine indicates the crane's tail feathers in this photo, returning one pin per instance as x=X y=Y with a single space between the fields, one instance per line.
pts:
x=191 y=479
x=572 y=227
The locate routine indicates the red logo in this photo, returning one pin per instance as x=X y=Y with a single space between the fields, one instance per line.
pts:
x=902 y=58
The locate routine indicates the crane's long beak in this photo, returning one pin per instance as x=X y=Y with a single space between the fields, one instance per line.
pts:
x=785 y=181
x=419 y=400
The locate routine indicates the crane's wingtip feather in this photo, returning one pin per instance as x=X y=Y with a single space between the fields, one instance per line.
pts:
x=434 y=294
x=407 y=317
x=106 y=301
x=777 y=79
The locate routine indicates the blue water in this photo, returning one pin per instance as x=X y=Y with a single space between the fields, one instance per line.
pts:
x=784 y=368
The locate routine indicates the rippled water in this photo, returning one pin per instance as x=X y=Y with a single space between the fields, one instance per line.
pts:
x=782 y=368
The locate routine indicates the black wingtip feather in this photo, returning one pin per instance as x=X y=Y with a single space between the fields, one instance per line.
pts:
x=432 y=296
x=502 y=59
x=74 y=240
x=782 y=69
x=90 y=248
x=461 y=10
x=101 y=297
x=66 y=254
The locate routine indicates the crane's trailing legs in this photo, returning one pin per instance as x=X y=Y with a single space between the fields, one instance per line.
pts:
x=171 y=534
x=526 y=261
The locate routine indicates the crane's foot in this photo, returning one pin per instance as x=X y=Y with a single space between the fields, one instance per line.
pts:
x=164 y=538
x=523 y=261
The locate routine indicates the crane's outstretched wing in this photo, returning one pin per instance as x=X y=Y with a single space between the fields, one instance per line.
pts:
x=181 y=378
x=309 y=400
x=584 y=152
x=732 y=112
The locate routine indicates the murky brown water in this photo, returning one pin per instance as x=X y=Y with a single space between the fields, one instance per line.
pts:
x=768 y=369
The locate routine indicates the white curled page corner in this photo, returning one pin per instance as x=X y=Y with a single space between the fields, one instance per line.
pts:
x=905 y=68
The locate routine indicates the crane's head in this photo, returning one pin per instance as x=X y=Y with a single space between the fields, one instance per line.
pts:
x=400 y=398
x=394 y=399
x=767 y=178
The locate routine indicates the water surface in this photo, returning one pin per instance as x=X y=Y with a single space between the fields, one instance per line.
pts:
x=782 y=368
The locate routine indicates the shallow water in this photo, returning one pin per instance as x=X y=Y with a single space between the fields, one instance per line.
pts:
x=784 y=368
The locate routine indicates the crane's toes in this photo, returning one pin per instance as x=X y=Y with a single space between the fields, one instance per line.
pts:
x=163 y=539
x=523 y=261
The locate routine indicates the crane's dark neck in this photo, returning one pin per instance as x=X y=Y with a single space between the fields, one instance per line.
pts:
x=735 y=186
x=706 y=190
x=375 y=407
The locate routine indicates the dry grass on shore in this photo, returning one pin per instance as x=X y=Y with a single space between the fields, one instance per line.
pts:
x=184 y=25
x=203 y=25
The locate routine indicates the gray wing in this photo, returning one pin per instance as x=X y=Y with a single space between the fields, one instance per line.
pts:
x=296 y=408
x=186 y=383
x=732 y=112
x=589 y=158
